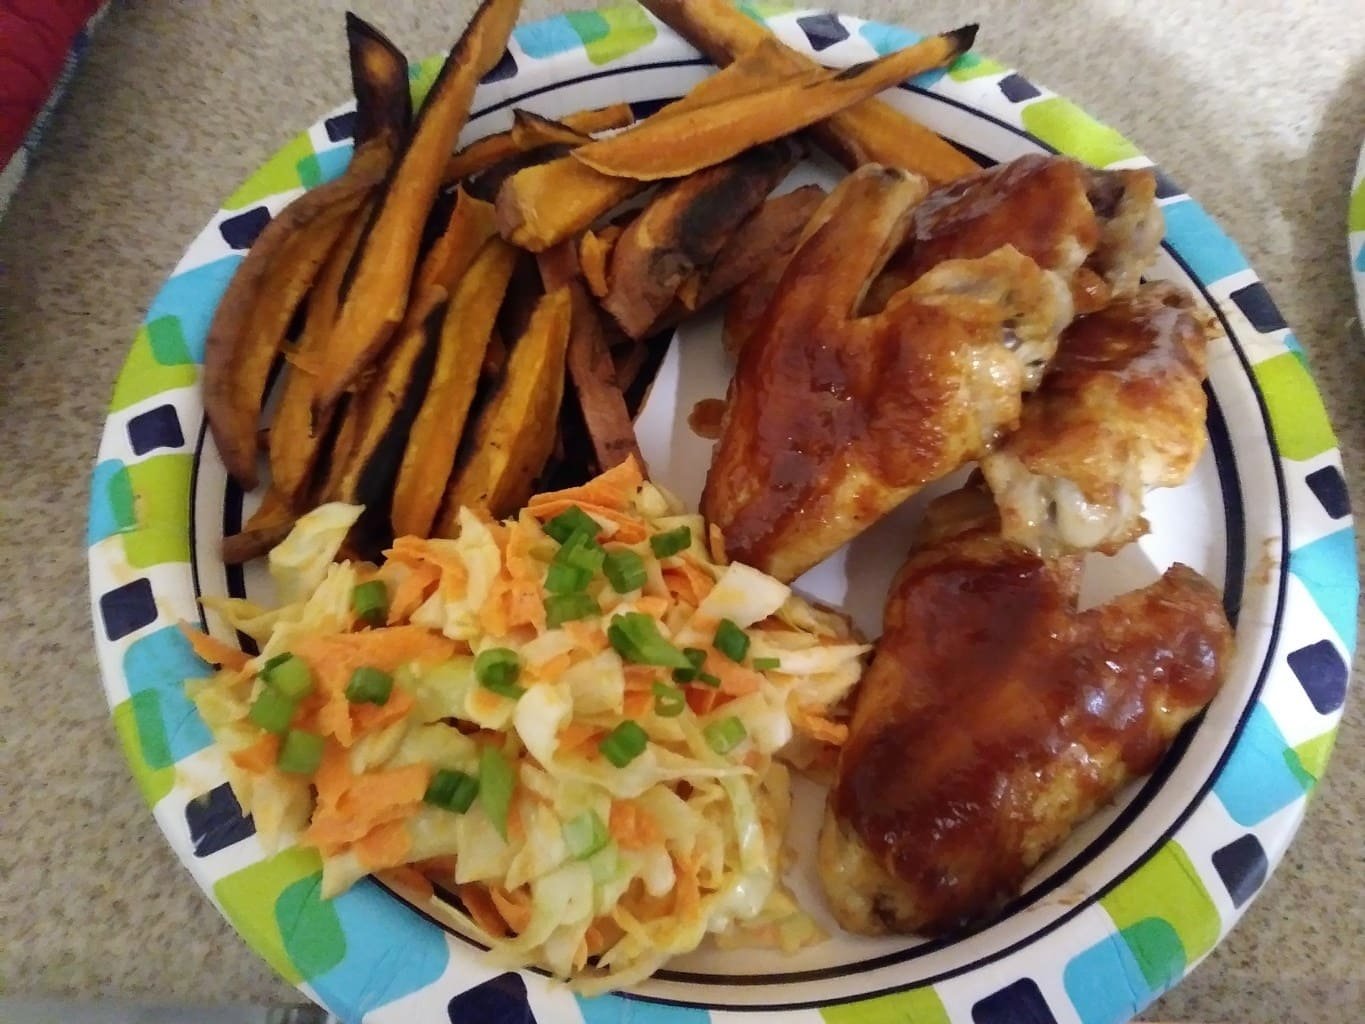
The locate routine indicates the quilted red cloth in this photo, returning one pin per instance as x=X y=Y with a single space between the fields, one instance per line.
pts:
x=35 y=37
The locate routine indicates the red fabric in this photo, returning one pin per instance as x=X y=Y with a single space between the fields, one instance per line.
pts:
x=35 y=36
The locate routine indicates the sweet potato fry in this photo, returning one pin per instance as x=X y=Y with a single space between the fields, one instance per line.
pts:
x=591 y=370
x=594 y=256
x=682 y=230
x=671 y=144
x=516 y=429
x=531 y=131
x=541 y=205
x=434 y=438
x=547 y=203
x=770 y=233
x=491 y=150
x=237 y=365
x=269 y=525
x=295 y=440
x=237 y=361
x=379 y=77
x=868 y=132
x=380 y=275
x=395 y=387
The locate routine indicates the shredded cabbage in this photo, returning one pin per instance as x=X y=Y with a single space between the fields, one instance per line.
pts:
x=596 y=871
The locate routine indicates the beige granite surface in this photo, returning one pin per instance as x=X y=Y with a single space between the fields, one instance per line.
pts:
x=1258 y=106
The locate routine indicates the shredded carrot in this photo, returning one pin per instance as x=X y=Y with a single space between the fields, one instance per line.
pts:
x=413 y=588
x=408 y=876
x=587 y=634
x=479 y=903
x=613 y=489
x=578 y=734
x=384 y=846
x=350 y=806
x=552 y=668
x=640 y=677
x=631 y=826
x=654 y=607
x=213 y=650
x=514 y=907
x=601 y=935
x=735 y=679
x=436 y=867
x=638 y=703
x=629 y=529
x=686 y=891
x=260 y=757
x=334 y=658
x=704 y=699
x=815 y=725
x=493 y=617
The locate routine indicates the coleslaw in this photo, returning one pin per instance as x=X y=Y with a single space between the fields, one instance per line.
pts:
x=574 y=726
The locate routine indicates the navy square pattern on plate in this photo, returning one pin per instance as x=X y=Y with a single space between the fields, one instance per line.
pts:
x=127 y=609
x=500 y=1000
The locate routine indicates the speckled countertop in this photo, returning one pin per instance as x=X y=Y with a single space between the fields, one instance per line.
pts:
x=1257 y=105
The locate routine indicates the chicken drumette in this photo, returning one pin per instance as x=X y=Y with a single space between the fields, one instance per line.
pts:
x=834 y=419
x=1120 y=411
x=995 y=717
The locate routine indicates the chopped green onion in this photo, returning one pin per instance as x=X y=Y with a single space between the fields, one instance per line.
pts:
x=288 y=675
x=497 y=780
x=636 y=638
x=498 y=669
x=451 y=790
x=272 y=711
x=696 y=658
x=562 y=608
x=625 y=571
x=708 y=679
x=766 y=664
x=731 y=641
x=723 y=736
x=572 y=520
x=669 y=701
x=369 y=686
x=370 y=602
x=301 y=752
x=605 y=864
x=585 y=835
x=671 y=541
x=278 y=659
x=566 y=579
x=624 y=743
x=581 y=551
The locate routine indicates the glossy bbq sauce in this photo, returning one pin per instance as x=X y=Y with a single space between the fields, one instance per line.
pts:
x=994 y=717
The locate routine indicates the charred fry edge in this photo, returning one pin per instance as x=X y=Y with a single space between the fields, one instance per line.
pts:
x=869 y=132
x=491 y=150
x=380 y=275
x=672 y=143
x=379 y=78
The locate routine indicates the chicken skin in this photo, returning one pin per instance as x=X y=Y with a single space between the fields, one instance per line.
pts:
x=834 y=419
x=1120 y=411
x=995 y=717
x=1092 y=232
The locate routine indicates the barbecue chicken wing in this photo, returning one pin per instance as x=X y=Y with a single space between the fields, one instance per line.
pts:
x=835 y=419
x=1120 y=411
x=995 y=717
x=1093 y=233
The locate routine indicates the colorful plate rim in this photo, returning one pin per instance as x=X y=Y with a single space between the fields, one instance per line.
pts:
x=1140 y=939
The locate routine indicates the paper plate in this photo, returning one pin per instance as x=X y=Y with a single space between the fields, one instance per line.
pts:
x=1355 y=228
x=1137 y=897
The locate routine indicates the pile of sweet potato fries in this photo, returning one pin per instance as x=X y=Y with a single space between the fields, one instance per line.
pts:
x=463 y=328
